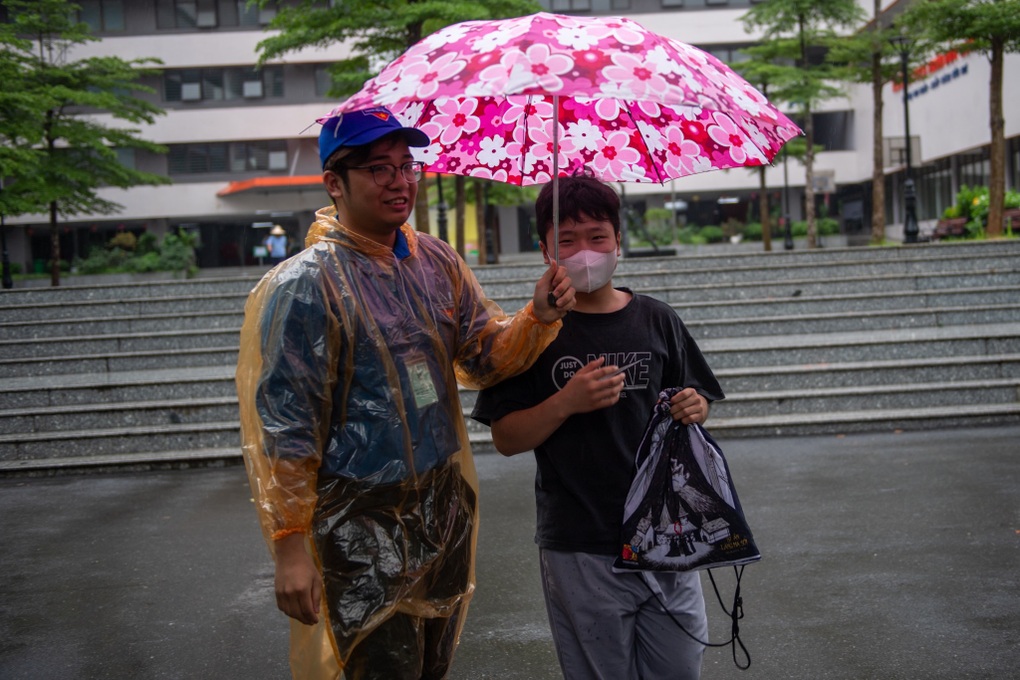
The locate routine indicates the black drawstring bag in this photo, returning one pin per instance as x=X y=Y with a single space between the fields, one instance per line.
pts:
x=682 y=511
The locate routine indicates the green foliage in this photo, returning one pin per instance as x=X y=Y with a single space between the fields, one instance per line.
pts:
x=690 y=236
x=125 y=240
x=752 y=231
x=176 y=253
x=147 y=243
x=72 y=155
x=828 y=226
x=794 y=33
x=377 y=31
x=972 y=204
x=659 y=226
x=966 y=24
x=712 y=234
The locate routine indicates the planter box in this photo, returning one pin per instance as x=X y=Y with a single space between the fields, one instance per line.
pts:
x=1011 y=216
x=955 y=227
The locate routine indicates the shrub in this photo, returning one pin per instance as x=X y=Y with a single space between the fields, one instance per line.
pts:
x=712 y=234
x=177 y=253
x=828 y=226
x=147 y=243
x=125 y=240
x=689 y=236
x=752 y=231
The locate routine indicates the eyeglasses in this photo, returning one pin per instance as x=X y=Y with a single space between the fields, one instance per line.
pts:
x=385 y=174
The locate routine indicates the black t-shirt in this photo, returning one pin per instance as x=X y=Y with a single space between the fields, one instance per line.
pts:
x=585 y=467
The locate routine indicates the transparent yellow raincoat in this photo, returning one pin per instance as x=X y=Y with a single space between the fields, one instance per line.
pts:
x=352 y=428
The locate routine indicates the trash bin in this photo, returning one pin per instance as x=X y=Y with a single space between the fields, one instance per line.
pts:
x=39 y=266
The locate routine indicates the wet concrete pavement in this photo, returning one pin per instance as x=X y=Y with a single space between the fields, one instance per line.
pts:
x=886 y=556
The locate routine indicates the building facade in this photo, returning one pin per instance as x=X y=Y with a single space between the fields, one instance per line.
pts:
x=242 y=141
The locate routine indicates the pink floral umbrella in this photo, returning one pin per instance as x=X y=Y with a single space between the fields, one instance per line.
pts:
x=534 y=98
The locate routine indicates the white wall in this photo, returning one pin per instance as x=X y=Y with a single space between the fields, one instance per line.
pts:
x=953 y=116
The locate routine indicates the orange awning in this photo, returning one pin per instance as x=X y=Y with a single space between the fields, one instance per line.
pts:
x=270 y=185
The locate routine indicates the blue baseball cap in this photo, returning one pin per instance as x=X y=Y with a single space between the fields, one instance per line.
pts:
x=356 y=128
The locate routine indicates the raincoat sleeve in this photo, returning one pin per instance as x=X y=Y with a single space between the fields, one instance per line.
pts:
x=495 y=346
x=285 y=379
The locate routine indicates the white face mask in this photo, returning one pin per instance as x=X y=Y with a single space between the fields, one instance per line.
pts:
x=589 y=270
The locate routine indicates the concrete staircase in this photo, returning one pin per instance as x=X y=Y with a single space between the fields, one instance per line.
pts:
x=804 y=342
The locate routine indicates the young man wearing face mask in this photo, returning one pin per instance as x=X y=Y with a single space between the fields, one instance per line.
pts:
x=582 y=407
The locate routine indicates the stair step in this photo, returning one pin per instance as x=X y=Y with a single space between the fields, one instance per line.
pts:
x=822 y=348
x=869 y=397
x=115 y=362
x=804 y=342
x=71 y=443
x=923 y=369
x=111 y=415
x=147 y=460
x=91 y=345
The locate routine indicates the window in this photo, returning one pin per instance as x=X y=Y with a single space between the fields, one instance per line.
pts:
x=222 y=84
x=126 y=157
x=571 y=5
x=186 y=159
x=728 y=54
x=278 y=160
x=974 y=169
x=102 y=15
x=190 y=13
x=672 y=3
x=323 y=81
x=254 y=16
x=223 y=157
x=834 y=130
x=212 y=84
x=934 y=189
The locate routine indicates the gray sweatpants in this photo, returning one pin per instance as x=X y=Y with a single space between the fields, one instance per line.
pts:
x=610 y=626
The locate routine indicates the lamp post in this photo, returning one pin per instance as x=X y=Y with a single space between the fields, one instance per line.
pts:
x=5 y=262
x=787 y=227
x=910 y=229
x=441 y=209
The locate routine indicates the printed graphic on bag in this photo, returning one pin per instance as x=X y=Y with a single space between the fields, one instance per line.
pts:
x=682 y=511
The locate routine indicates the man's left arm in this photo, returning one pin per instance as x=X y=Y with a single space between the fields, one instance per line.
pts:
x=494 y=345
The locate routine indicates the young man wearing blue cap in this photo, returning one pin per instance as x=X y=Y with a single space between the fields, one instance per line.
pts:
x=352 y=427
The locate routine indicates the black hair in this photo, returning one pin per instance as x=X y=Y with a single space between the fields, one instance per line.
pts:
x=581 y=195
x=348 y=156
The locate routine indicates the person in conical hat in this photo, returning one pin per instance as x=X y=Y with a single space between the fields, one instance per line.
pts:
x=276 y=245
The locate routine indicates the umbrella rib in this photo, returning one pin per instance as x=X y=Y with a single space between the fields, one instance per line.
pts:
x=648 y=150
x=527 y=140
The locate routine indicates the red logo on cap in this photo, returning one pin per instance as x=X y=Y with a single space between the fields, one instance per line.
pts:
x=381 y=115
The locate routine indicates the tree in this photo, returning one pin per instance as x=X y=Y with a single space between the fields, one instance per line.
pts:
x=73 y=151
x=376 y=31
x=991 y=27
x=870 y=58
x=796 y=35
x=760 y=73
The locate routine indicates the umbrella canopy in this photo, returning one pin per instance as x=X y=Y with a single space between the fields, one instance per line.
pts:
x=529 y=99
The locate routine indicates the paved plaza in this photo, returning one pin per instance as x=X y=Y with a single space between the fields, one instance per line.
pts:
x=886 y=557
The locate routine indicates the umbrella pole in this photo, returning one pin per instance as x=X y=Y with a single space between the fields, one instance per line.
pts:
x=556 y=178
x=556 y=188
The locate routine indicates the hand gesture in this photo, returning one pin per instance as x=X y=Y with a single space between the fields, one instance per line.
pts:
x=688 y=407
x=554 y=295
x=593 y=387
